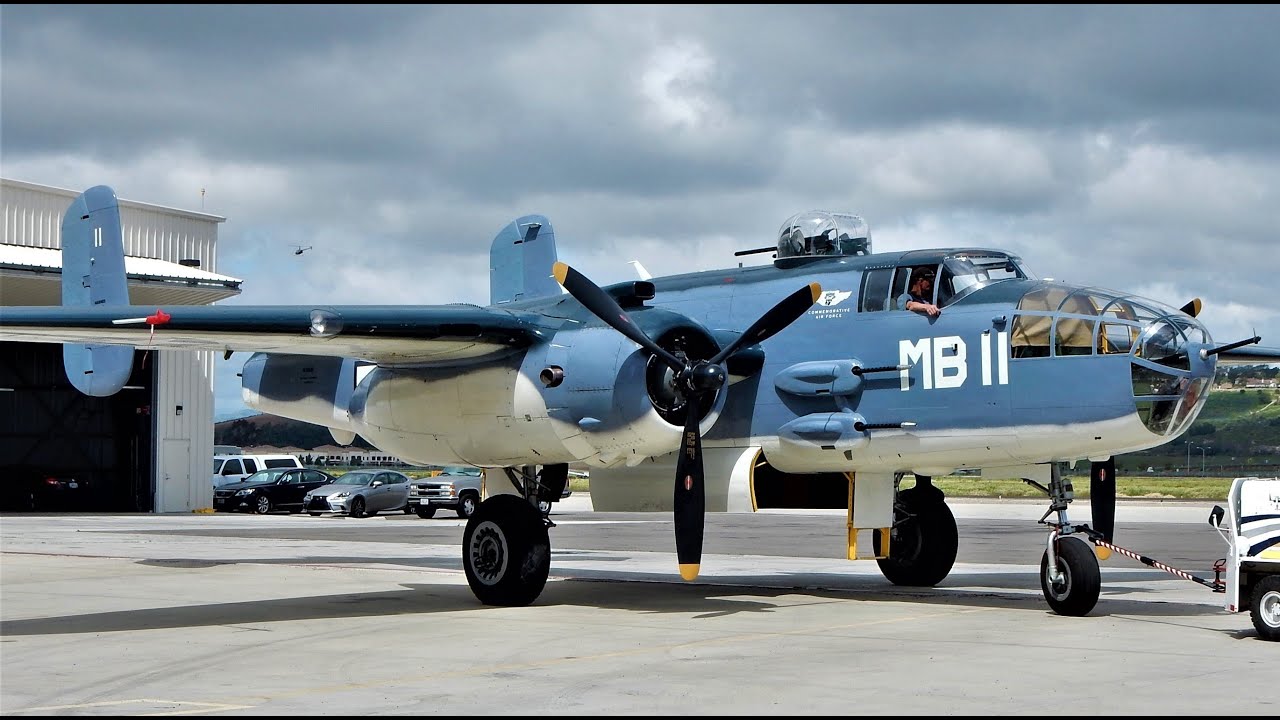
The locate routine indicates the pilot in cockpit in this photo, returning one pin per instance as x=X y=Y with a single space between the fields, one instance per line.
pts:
x=919 y=295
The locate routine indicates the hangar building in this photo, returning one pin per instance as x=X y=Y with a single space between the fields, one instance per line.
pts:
x=149 y=447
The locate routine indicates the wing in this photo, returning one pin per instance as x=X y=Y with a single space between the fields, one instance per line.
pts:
x=387 y=335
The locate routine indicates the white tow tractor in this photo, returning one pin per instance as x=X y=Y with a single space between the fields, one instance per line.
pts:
x=1252 y=565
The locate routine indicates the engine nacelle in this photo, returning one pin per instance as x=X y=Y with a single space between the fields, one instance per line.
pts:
x=591 y=395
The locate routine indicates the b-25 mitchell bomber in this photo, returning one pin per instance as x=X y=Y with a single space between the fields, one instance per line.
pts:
x=806 y=382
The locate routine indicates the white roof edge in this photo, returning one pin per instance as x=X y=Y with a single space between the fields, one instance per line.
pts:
x=21 y=257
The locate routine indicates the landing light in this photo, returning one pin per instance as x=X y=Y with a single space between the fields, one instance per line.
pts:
x=325 y=323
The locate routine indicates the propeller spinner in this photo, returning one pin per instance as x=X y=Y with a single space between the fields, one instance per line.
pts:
x=694 y=379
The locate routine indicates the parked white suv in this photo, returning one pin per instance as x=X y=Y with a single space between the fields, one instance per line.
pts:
x=234 y=468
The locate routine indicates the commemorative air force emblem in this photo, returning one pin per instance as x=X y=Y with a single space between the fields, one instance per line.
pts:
x=835 y=297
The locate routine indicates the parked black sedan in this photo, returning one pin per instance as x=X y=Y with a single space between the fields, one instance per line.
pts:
x=271 y=489
x=28 y=488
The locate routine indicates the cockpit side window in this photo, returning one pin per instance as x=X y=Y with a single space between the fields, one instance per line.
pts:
x=875 y=289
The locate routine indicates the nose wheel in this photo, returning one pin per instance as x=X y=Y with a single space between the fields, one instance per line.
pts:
x=1069 y=576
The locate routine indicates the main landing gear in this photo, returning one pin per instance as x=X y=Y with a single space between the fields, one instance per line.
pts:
x=506 y=550
x=923 y=541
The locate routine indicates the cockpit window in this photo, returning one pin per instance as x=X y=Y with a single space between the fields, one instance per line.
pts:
x=965 y=272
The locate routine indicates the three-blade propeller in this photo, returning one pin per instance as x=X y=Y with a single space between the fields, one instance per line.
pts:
x=695 y=380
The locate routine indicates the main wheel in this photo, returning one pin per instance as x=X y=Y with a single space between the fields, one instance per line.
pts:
x=1264 y=608
x=426 y=512
x=1077 y=592
x=357 y=508
x=506 y=552
x=922 y=544
x=264 y=505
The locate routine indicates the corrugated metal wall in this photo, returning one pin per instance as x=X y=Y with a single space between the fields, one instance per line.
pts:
x=32 y=217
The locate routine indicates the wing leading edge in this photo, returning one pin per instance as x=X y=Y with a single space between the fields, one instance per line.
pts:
x=387 y=335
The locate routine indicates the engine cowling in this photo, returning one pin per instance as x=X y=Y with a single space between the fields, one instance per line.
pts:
x=609 y=401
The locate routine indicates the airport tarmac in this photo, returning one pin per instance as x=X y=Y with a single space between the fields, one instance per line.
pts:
x=233 y=614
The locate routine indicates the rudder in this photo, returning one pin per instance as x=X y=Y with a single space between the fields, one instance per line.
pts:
x=93 y=274
x=520 y=261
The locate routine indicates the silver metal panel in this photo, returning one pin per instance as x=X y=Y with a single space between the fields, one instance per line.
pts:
x=183 y=380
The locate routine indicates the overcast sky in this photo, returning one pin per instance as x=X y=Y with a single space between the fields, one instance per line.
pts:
x=1135 y=148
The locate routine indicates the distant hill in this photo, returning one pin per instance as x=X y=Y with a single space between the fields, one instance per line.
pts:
x=263 y=429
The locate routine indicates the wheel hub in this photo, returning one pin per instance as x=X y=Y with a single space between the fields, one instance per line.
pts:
x=488 y=553
x=1061 y=589
x=1269 y=609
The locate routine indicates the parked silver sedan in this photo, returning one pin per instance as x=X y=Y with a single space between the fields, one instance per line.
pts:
x=360 y=493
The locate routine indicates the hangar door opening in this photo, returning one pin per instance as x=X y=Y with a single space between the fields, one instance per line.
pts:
x=61 y=450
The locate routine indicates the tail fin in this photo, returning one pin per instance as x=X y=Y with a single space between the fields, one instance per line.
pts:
x=520 y=261
x=93 y=274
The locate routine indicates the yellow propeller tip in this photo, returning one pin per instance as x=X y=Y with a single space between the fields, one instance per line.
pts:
x=560 y=271
x=816 y=290
x=689 y=571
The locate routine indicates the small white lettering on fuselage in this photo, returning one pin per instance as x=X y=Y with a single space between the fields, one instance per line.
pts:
x=825 y=307
x=944 y=361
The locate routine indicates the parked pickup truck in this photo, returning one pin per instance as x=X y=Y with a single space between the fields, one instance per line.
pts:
x=457 y=487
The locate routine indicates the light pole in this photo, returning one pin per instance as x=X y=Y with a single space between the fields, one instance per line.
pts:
x=1188 y=457
x=1201 y=449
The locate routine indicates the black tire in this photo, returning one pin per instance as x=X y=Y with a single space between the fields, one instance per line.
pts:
x=263 y=505
x=426 y=512
x=1081 y=584
x=357 y=508
x=1264 y=608
x=467 y=504
x=922 y=547
x=506 y=553
x=314 y=514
